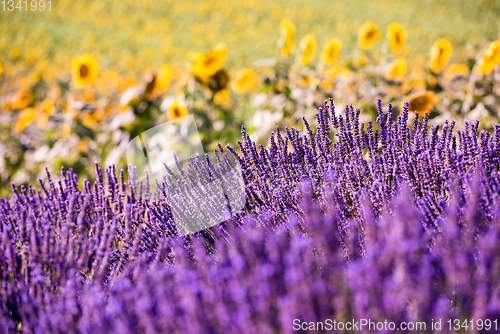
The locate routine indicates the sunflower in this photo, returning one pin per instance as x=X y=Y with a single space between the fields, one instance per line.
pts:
x=164 y=78
x=397 y=36
x=25 y=118
x=204 y=65
x=222 y=97
x=397 y=69
x=85 y=70
x=287 y=35
x=93 y=118
x=46 y=109
x=490 y=58
x=422 y=102
x=246 y=80
x=368 y=35
x=455 y=70
x=362 y=61
x=177 y=109
x=307 y=46
x=150 y=86
x=218 y=81
x=440 y=54
x=22 y=99
x=331 y=51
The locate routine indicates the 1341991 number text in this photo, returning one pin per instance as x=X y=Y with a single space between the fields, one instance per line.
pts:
x=26 y=5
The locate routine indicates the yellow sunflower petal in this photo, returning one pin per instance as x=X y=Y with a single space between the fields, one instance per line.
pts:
x=164 y=78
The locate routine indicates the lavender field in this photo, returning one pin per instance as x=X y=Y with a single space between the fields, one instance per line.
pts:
x=341 y=223
x=249 y=166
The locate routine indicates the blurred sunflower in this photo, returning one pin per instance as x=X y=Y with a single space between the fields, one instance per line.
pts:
x=22 y=99
x=422 y=102
x=455 y=70
x=287 y=35
x=150 y=86
x=66 y=129
x=218 y=81
x=25 y=118
x=368 y=35
x=331 y=51
x=246 y=80
x=397 y=36
x=89 y=120
x=46 y=109
x=177 y=109
x=440 y=54
x=362 y=61
x=490 y=58
x=164 y=78
x=204 y=65
x=307 y=46
x=223 y=97
x=397 y=69
x=85 y=70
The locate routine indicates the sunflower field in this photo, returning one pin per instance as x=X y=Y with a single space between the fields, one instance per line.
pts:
x=75 y=91
x=367 y=136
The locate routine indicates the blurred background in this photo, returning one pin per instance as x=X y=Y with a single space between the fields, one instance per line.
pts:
x=78 y=81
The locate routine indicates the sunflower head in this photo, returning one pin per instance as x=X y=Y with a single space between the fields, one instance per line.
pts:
x=397 y=36
x=23 y=99
x=85 y=70
x=218 y=81
x=397 y=69
x=177 y=110
x=362 y=61
x=307 y=46
x=422 y=102
x=246 y=80
x=440 y=54
x=204 y=65
x=286 y=39
x=368 y=35
x=490 y=58
x=456 y=70
x=331 y=51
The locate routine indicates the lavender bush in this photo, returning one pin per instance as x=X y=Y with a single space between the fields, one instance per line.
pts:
x=397 y=223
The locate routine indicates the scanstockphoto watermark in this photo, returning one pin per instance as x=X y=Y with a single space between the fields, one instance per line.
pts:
x=358 y=325
x=464 y=325
x=167 y=162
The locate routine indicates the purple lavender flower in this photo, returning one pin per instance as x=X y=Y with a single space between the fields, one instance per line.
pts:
x=393 y=220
